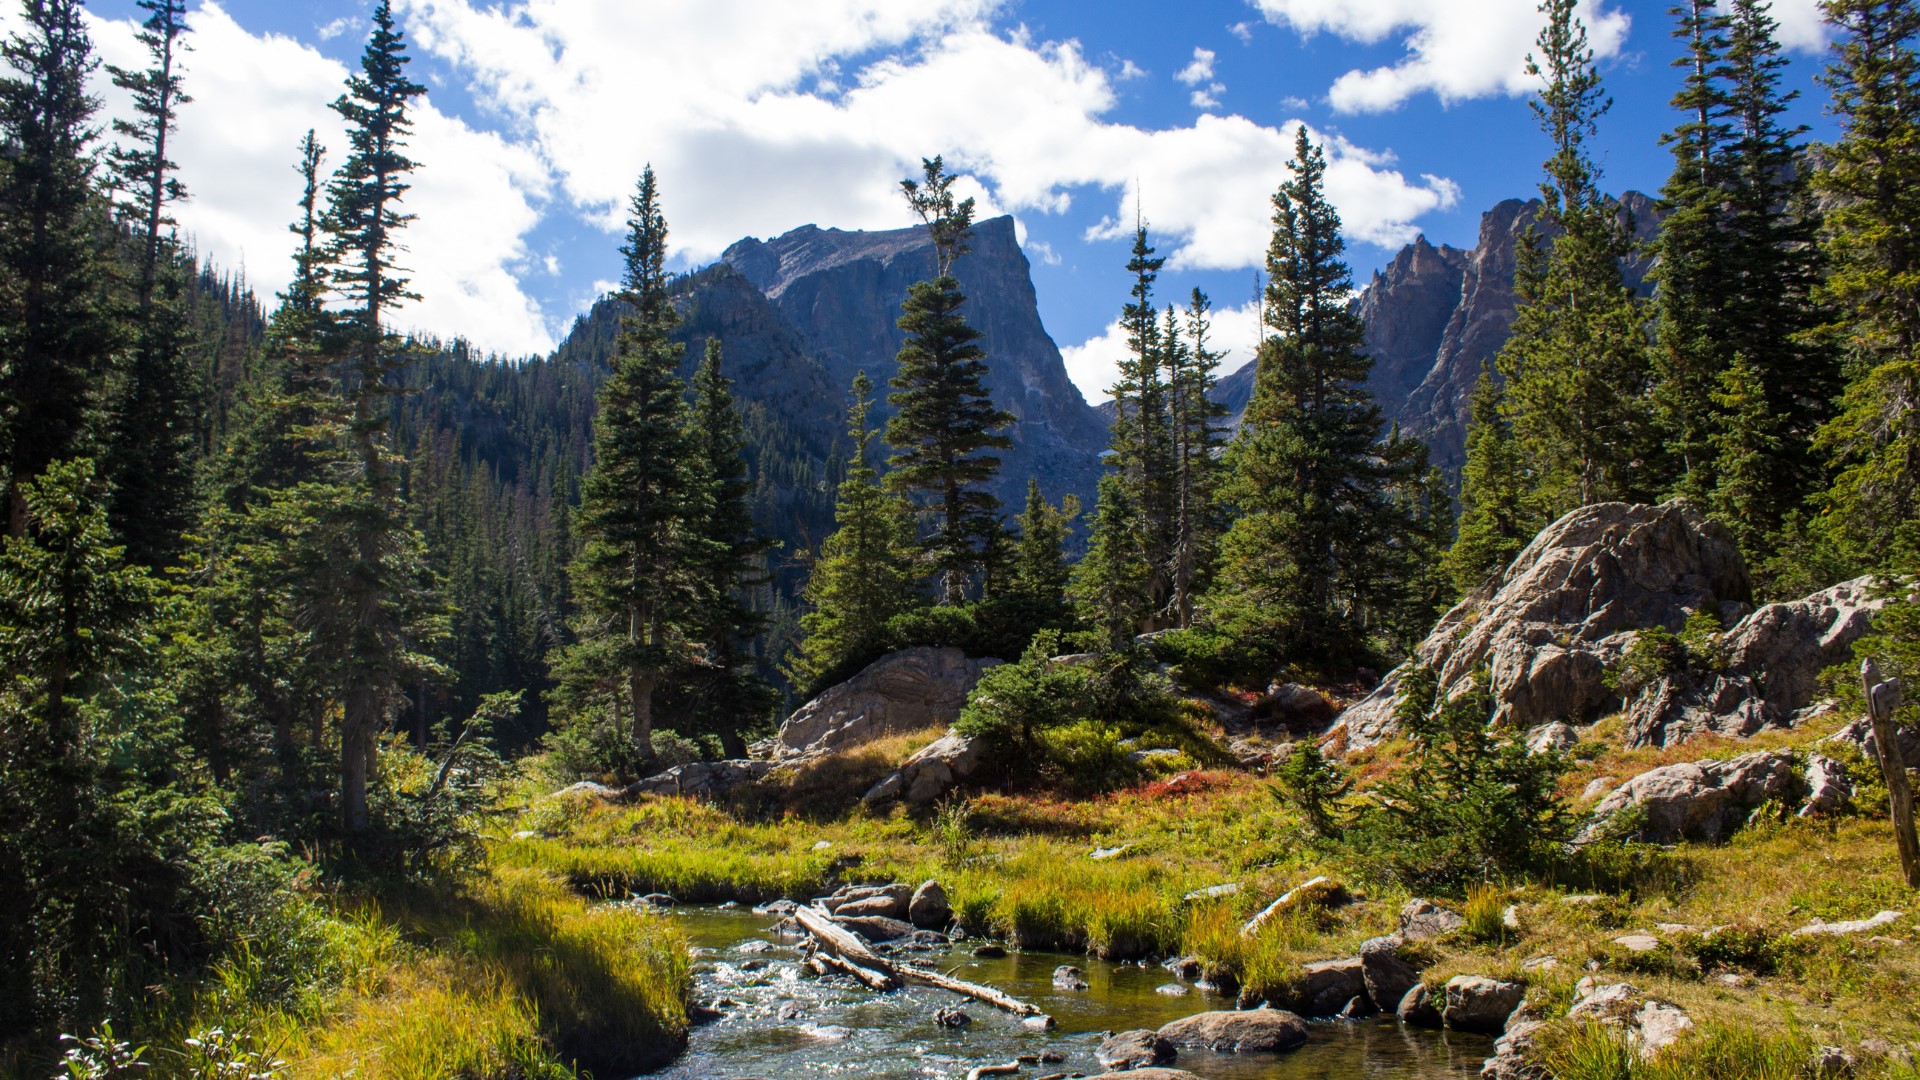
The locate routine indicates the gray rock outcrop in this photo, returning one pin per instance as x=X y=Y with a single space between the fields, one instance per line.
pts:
x=1238 y=1032
x=702 y=779
x=1387 y=977
x=1651 y=1025
x=1565 y=609
x=928 y=774
x=910 y=690
x=929 y=908
x=1708 y=800
x=1423 y=919
x=1327 y=986
x=1774 y=658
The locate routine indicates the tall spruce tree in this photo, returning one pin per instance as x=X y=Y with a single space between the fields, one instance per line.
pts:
x=1198 y=429
x=1313 y=490
x=1576 y=364
x=381 y=599
x=58 y=330
x=864 y=573
x=729 y=563
x=1040 y=571
x=634 y=580
x=944 y=422
x=1498 y=509
x=158 y=409
x=1142 y=437
x=1870 y=180
x=1109 y=584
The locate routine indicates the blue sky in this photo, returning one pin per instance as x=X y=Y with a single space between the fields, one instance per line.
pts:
x=762 y=115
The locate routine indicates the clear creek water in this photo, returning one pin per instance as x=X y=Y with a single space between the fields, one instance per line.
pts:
x=781 y=1025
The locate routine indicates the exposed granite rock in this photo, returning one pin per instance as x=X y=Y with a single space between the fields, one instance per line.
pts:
x=928 y=774
x=1423 y=919
x=1565 y=609
x=1418 y=1008
x=1387 y=977
x=702 y=779
x=1325 y=987
x=1774 y=658
x=909 y=690
x=1702 y=800
x=1513 y=1053
x=929 y=908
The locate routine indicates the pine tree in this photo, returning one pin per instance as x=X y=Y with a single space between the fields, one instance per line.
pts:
x=1198 y=432
x=1041 y=572
x=1313 y=491
x=1746 y=442
x=1693 y=291
x=1109 y=584
x=1142 y=439
x=729 y=562
x=1576 y=364
x=944 y=421
x=1498 y=513
x=56 y=331
x=151 y=455
x=634 y=579
x=1870 y=179
x=864 y=574
x=380 y=597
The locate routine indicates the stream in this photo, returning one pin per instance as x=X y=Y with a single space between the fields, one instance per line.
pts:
x=778 y=1024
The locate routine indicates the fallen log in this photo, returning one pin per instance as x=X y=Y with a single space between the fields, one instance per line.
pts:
x=845 y=951
x=975 y=991
x=992 y=1070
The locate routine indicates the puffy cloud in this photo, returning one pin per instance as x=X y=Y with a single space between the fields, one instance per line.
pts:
x=1803 y=26
x=1094 y=364
x=1456 y=49
x=754 y=145
x=1200 y=70
x=254 y=97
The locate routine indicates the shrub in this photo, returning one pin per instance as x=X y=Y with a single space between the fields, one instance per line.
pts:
x=1314 y=786
x=1465 y=805
x=1658 y=654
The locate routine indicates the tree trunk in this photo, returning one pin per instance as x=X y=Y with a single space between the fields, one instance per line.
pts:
x=356 y=755
x=640 y=685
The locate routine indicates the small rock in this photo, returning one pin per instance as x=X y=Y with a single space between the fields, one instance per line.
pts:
x=884 y=907
x=1051 y=1057
x=1831 y=1061
x=989 y=952
x=1857 y=926
x=1416 y=1008
x=1540 y=963
x=1144 y=1074
x=1105 y=853
x=1659 y=1025
x=1609 y=1003
x=1891 y=942
x=1583 y=900
x=659 y=900
x=952 y=1018
x=1387 y=977
x=1477 y=1003
x=1556 y=737
x=755 y=945
x=1134 y=1050
x=1068 y=977
x=776 y=907
x=1510 y=918
x=731 y=905
x=1172 y=990
x=1598 y=786
x=1424 y=919
x=1829 y=788
x=1037 y=1023
x=1513 y=1053
x=1183 y=967
x=1238 y=1032
x=822 y=845
x=929 y=908
x=1638 y=943
x=1325 y=987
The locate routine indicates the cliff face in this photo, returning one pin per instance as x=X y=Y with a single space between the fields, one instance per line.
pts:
x=1434 y=314
x=841 y=293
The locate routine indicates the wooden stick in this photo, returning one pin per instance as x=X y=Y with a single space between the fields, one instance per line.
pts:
x=1882 y=699
x=992 y=1070
x=838 y=944
x=986 y=994
x=874 y=980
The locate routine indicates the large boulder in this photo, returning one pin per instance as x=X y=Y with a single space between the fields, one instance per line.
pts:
x=1387 y=976
x=929 y=774
x=1565 y=609
x=929 y=908
x=1238 y=1032
x=1325 y=987
x=1774 y=658
x=1700 y=800
x=910 y=690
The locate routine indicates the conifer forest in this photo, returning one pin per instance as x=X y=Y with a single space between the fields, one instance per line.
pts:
x=375 y=705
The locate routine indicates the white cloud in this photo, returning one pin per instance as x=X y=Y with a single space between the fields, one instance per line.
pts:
x=1094 y=364
x=256 y=95
x=1803 y=26
x=1456 y=49
x=1129 y=71
x=745 y=148
x=1200 y=70
x=1242 y=30
x=1208 y=98
x=341 y=25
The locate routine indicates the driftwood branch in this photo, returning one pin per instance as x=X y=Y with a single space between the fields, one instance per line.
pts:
x=844 y=951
